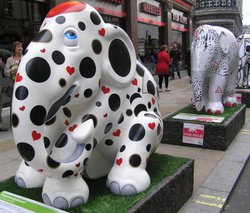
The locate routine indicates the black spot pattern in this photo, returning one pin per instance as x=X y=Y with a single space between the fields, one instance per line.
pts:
x=26 y=151
x=135 y=160
x=62 y=82
x=21 y=93
x=89 y=116
x=109 y=142
x=67 y=112
x=137 y=132
x=87 y=93
x=62 y=141
x=60 y=19
x=148 y=147
x=44 y=36
x=98 y=103
x=51 y=121
x=122 y=149
x=88 y=147
x=119 y=58
x=67 y=173
x=158 y=129
x=134 y=96
x=95 y=18
x=87 y=68
x=97 y=46
x=108 y=127
x=81 y=26
x=151 y=87
x=37 y=115
x=95 y=143
x=129 y=112
x=140 y=70
x=52 y=163
x=121 y=119
x=46 y=142
x=38 y=70
x=14 y=120
x=139 y=108
x=149 y=105
x=114 y=102
x=58 y=57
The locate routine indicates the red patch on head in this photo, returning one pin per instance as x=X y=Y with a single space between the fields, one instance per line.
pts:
x=67 y=7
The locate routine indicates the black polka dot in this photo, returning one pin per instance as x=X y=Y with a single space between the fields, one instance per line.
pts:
x=51 y=121
x=149 y=105
x=88 y=147
x=38 y=115
x=140 y=70
x=127 y=96
x=139 y=108
x=26 y=151
x=129 y=112
x=108 y=127
x=137 y=132
x=114 y=102
x=158 y=129
x=95 y=143
x=135 y=160
x=109 y=142
x=148 y=147
x=62 y=141
x=67 y=112
x=95 y=18
x=151 y=87
x=52 y=163
x=97 y=46
x=87 y=68
x=60 y=19
x=62 y=82
x=122 y=149
x=67 y=173
x=81 y=26
x=58 y=57
x=98 y=103
x=134 y=96
x=87 y=93
x=139 y=89
x=44 y=36
x=25 y=52
x=38 y=70
x=46 y=142
x=121 y=119
x=26 y=163
x=14 y=120
x=119 y=58
x=90 y=116
x=150 y=115
x=21 y=93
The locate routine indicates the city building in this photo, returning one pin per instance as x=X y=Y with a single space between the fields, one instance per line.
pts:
x=224 y=13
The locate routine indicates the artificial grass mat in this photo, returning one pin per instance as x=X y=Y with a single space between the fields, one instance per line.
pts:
x=100 y=198
x=228 y=112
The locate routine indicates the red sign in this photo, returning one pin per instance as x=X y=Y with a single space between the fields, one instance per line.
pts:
x=151 y=9
x=193 y=133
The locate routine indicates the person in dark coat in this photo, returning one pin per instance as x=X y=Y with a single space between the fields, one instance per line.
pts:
x=175 y=56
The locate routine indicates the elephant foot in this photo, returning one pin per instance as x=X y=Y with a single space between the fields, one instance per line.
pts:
x=27 y=177
x=131 y=182
x=230 y=102
x=214 y=108
x=65 y=193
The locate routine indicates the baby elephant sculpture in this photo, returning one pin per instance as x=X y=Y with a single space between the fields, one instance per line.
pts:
x=214 y=59
x=82 y=104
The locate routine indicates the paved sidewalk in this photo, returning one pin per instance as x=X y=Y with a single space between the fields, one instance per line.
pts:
x=215 y=172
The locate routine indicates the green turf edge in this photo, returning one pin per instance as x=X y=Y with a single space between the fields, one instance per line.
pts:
x=101 y=199
x=229 y=111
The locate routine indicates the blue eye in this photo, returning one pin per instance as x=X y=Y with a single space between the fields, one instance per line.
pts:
x=70 y=35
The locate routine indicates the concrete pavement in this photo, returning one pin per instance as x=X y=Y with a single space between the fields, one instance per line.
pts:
x=215 y=172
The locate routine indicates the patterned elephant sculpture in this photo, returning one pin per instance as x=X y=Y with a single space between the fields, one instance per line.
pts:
x=244 y=60
x=83 y=105
x=214 y=63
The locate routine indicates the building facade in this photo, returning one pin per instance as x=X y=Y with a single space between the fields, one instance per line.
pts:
x=224 y=13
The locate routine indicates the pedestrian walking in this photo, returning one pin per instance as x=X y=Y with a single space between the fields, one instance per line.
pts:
x=175 y=56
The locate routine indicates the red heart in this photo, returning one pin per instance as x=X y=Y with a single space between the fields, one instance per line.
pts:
x=22 y=108
x=70 y=70
x=105 y=89
x=36 y=135
x=66 y=122
x=77 y=95
x=119 y=161
x=78 y=164
x=151 y=125
x=135 y=82
x=43 y=50
x=101 y=32
x=117 y=133
x=40 y=170
x=72 y=128
x=19 y=77
x=105 y=115
x=153 y=101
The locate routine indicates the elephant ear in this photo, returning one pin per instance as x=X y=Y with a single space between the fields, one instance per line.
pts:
x=224 y=43
x=120 y=67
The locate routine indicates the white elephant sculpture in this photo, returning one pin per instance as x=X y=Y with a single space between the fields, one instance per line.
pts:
x=214 y=65
x=244 y=60
x=82 y=104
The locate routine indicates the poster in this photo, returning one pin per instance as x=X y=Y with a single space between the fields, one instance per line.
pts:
x=193 y=134
x=197 y=117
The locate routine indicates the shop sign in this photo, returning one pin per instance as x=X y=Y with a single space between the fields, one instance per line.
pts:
x=215 y=3
x=116 y=1
x=179 y=18
x=193 y=134
x=151 y=9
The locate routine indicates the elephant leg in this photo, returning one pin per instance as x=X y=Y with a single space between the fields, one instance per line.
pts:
x=66 y=192
x=27 y=177
x=205 y=91
x=216 y=89
x=141 y=137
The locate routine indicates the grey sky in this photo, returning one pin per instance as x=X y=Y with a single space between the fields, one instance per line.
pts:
x=246 y=12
